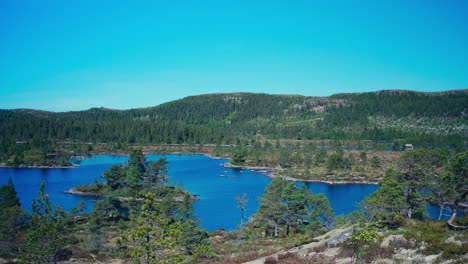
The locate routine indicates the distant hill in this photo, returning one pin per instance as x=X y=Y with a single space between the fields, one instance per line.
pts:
x=222 y=118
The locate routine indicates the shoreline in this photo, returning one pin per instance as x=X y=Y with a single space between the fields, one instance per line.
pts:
x=72 y=191
x=267 y=171
x=232 y=166
x=274 y=172
x=209 y=155
x=326 y=182
x=39 y=167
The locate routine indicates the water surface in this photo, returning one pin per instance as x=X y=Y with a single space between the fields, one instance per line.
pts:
x=216 y=186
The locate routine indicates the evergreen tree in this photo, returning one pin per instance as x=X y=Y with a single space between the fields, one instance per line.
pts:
x=185 y=208
x=455 y=185
x=137 y=160
x=375 y=162
x=115 y=176
x=152 y=238
x=156 y=173
x=272 y=209
x=190 y=236
x=321 y=212
x=296 y=201
x=8 y=195
x=285 y=204
x=418 y=167
x=363 y=157
x=12 y=219
x=387 y=202
x=335 y=161
x=48 y=228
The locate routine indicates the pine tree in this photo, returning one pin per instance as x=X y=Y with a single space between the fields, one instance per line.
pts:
x=271 y=206
x=8 y=195
x=152 y=238
x=386 y=203
x=455 y=185
x=12 y=219
x=47 y=232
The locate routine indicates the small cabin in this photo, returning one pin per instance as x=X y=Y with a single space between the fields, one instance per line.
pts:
x=409 y=147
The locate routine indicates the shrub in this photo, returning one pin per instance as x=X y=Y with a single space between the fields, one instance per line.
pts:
x=402 y=243
x=374 y=251
x=271 y=260
x=203 y=252
x=434 y=234
x=451 y=250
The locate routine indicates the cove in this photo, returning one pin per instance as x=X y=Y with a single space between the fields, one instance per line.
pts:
x=216 y=186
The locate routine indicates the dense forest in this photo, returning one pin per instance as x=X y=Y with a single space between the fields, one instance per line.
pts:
x=384 y=116
x=205 y=118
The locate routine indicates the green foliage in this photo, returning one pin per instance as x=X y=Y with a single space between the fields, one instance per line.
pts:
x=149 y=239
x=361 y=240
x=322 y=211
x=458 y=165
x=138 y=161
x=272 y=207
x=355 y=217
x=239 y=155
x=386 y=203
x=335 y=161
x=185 y=208
x=156 y=173
x=284 y=204
x=156 y=238
x=91 y=188
x=454 y=184
x=8 y=195
x=418 y=167
x=133 y=181
x=105 y=210
x=192 y=238
x=285 y=159
x=48 y=229
x=203 y=252
x=12 y=219
x=375 y=162
x=434 y=234
x=222 y=118
x=94 y=243
x=115 y=176
x=162 y=226
x=363 y=157
x=320 y=156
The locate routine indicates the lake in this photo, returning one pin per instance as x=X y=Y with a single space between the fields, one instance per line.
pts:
x=216 y=186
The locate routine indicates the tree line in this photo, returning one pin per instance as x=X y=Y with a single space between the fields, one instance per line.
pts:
x=223 y=118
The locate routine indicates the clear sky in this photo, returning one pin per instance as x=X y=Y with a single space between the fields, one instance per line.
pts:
x=72 y=55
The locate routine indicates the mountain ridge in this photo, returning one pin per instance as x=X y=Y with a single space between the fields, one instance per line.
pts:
x=391 y=91
x=387 y=115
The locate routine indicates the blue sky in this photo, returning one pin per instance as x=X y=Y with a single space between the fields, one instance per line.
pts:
x=73 y=55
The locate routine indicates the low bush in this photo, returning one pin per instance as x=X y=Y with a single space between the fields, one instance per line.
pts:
x=434 y=234
x=402 y=243
x=271 y=260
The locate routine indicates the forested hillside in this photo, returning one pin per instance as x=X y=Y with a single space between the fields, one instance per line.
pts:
x=384 y=116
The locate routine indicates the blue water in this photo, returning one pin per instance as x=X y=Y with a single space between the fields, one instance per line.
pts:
x=216 y=186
